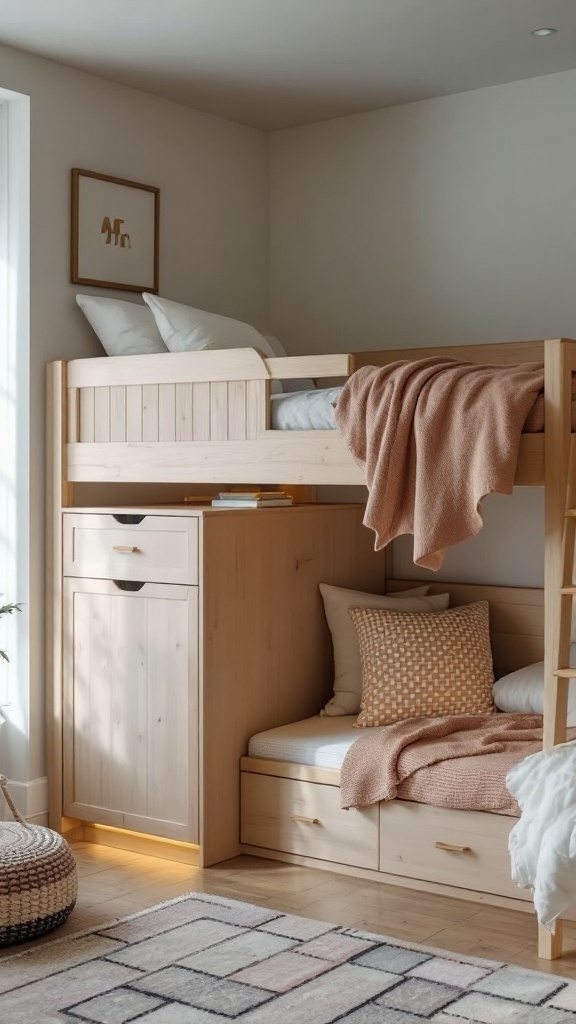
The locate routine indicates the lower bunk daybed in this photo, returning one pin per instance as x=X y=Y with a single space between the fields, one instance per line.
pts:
x=421 y=803
x=291 y=809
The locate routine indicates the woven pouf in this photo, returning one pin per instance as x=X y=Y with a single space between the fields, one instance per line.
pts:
x=38 y=879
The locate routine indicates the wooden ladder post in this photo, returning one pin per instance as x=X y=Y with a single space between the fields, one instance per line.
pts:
x=550 y=945
x=560 y=523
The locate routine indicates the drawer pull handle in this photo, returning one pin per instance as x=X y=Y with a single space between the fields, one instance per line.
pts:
x=126 y=549
x=132 y=586
x=452 y=847
x=306 y=821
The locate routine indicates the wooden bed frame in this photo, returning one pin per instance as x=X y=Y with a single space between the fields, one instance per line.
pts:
x=203 y=418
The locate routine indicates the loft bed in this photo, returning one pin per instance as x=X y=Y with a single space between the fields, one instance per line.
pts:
x=204 y=418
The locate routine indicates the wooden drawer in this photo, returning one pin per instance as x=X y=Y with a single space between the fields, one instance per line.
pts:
x=462 y=848
x=306 y=818
x=158 y=549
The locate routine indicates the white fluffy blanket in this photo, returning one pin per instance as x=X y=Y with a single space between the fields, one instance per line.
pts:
x=542 y=844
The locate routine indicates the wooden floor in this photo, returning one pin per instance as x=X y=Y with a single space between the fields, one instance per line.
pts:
x=114 y=883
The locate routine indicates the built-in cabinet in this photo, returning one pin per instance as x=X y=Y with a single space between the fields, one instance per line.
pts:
x=184 y=631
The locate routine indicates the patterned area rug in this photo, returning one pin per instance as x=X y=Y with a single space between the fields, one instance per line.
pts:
x=203 y=959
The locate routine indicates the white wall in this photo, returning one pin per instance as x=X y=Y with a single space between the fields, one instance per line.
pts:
x=213 y=180
x=447 y=221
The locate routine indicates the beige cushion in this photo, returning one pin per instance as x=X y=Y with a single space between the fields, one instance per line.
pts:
x=347 y=667
x=424 y=665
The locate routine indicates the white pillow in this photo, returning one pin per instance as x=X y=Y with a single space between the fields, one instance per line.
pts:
x=523 y=691
x=296 y=384
x=347 y=665
x=186 y=329
x=123 y=328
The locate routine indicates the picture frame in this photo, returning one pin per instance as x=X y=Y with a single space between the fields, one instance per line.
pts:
x=114 y=232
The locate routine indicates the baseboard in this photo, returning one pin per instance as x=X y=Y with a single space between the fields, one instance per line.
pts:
x=31 y=799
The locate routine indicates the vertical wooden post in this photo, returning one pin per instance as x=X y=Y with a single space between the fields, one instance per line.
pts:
x=558 y=561
x=59 y=494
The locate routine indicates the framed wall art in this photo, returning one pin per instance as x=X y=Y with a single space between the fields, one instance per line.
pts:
x=115 y=232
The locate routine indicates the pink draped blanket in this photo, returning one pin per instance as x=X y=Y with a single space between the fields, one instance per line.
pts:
x=441 y=761
x=433 y=437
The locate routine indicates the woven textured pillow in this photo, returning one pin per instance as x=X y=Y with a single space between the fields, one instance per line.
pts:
x=415 y=664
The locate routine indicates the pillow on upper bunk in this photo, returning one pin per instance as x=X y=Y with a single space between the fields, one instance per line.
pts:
x=123 y=328
x=186 y=329
x=523 y=691
x=416 y=664
x=347 y=667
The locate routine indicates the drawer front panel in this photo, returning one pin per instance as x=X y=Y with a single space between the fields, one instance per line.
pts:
x=159 y=549
x=461 y=848
x=305 y=818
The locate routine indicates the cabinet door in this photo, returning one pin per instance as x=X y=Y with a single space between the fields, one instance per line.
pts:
x=130 y=706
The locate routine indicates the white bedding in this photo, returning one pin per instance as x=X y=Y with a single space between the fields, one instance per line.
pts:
x=304 y=410
x=316 y=741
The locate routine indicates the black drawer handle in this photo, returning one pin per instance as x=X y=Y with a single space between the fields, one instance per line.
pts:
x=128 y=584
x=127 y=519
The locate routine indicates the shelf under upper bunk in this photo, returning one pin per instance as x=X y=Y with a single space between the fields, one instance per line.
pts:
x=204 y=417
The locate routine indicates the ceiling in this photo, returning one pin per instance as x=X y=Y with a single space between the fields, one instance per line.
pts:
x=275 y=64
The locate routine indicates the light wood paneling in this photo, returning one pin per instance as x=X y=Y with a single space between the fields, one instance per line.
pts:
x=516 y=618
x=134 y=402
x=184 y=420
x=500 y=353
x=150 y=395
x=266 y=649
x=167 y=412
x=86 y=414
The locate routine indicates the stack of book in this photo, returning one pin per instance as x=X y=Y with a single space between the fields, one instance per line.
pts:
x=251 y=499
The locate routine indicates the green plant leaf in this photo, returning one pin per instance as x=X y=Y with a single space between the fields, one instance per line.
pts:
x=7 y=609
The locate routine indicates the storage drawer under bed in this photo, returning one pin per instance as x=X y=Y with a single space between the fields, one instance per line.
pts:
x=306 y=818
x=462 y=848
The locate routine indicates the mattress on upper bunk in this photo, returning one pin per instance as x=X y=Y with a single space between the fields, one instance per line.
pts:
x=314 y=410
x=473 y=781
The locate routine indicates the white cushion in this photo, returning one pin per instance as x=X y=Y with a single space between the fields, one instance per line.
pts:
x=296 y=384
x=123 y=328
x=523 y=691
x=347 y=665
x=187 y=329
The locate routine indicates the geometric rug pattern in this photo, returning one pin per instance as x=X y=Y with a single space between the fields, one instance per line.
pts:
x=203 y=959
